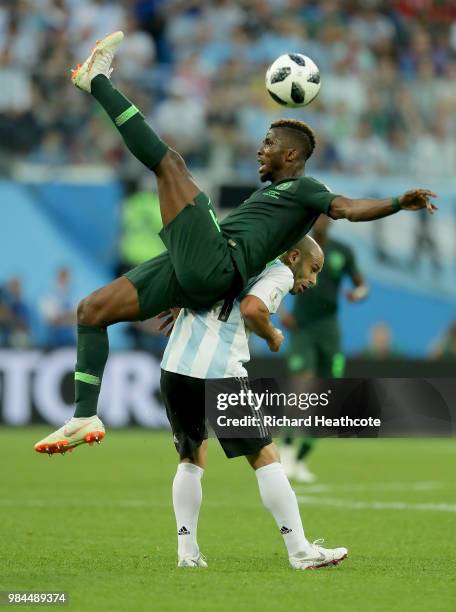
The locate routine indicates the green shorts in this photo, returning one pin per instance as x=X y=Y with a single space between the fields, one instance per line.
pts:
x=316 y=350
x=197 y=269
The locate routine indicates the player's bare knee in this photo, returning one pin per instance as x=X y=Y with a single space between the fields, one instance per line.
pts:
x=90 y=311
x=177 y=160
x=173 y=163
x=268 y=454
x=198 y=456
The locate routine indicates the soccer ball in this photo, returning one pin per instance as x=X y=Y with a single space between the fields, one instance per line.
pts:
x=293 y=80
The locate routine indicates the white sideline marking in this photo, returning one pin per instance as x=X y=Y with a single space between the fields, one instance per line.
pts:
x=333 y=502
x=380 y=486
x=375 y=505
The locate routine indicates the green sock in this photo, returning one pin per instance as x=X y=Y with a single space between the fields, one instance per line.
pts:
x=305 y=448
x=93 y=350
x=142 y=141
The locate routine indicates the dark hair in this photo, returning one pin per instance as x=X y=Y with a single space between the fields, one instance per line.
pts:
x=305 y=132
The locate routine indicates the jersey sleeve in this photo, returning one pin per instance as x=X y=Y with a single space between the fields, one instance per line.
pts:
x=273 y=286
x=315 y=195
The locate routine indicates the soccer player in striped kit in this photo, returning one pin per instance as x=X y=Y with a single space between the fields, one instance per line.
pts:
x=213 y=344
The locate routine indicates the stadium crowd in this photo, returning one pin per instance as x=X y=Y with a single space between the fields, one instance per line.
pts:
x=196 y=69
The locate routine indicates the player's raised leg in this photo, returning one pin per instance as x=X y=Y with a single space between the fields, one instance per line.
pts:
x=280 y=499
x=176 y=186
x=200 y=256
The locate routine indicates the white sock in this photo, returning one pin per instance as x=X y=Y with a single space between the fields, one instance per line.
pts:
x=187 y=496
x=280 y=499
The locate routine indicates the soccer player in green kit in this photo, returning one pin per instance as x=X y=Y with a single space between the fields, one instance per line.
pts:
x=315 y=349
x=205 y=261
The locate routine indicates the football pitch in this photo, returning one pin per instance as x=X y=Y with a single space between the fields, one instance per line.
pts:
x=98 y=524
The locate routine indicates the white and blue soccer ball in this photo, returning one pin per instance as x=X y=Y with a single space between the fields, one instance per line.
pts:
x=293 y=80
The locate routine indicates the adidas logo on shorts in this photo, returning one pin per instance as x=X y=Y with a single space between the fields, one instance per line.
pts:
x=284 y=530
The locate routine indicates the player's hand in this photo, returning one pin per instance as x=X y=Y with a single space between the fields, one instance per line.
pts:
x=275 y=342
x=288 y=320
x=357 y=294
x=416 y=199
x=169 y=317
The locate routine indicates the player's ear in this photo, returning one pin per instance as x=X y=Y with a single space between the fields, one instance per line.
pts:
x=294 y=256
x=291 y=155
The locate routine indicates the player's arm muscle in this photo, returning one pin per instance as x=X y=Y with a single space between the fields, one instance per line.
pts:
x=371 y=209
x=360 y=209
x=257 y=318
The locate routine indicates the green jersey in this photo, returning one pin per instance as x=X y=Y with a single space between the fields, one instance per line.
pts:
x=322 y=300
x=272 y=220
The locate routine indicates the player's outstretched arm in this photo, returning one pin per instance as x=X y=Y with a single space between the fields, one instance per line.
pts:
x=258 y=320
x=371 y=209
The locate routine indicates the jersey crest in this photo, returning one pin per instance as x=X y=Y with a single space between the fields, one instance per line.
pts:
x=284 y=186
x=272 y=194
x=275 y=299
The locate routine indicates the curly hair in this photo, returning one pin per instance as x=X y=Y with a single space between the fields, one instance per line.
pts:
x=304 y=132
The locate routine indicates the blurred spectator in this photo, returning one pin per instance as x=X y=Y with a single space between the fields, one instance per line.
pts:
x=399 y=158
x=140 y=226
x=15 y=86
x=372 y=27
x=14 y=316
x=50 y=150
x=434 y=154
x=381 y=343
x=341 y=122
x=90 y=20
x=140 y=241
x=344 y=86
x=445 y=348
x=364 y=153
x=186 y=135
x=59 y=312
x=425 y=244
x=136 y=53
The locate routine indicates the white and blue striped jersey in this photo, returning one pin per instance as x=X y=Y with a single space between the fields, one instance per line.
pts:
x=202 y=345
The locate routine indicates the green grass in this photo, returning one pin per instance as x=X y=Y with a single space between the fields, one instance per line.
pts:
x=98 y=523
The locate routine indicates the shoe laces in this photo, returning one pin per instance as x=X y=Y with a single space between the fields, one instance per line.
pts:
x=104 y=59
x=317 y=544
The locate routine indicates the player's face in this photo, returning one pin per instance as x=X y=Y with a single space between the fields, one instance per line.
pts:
x=270 y=156
x=306 y=272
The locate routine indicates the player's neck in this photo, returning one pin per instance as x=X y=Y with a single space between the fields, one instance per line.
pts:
x=288 y=173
